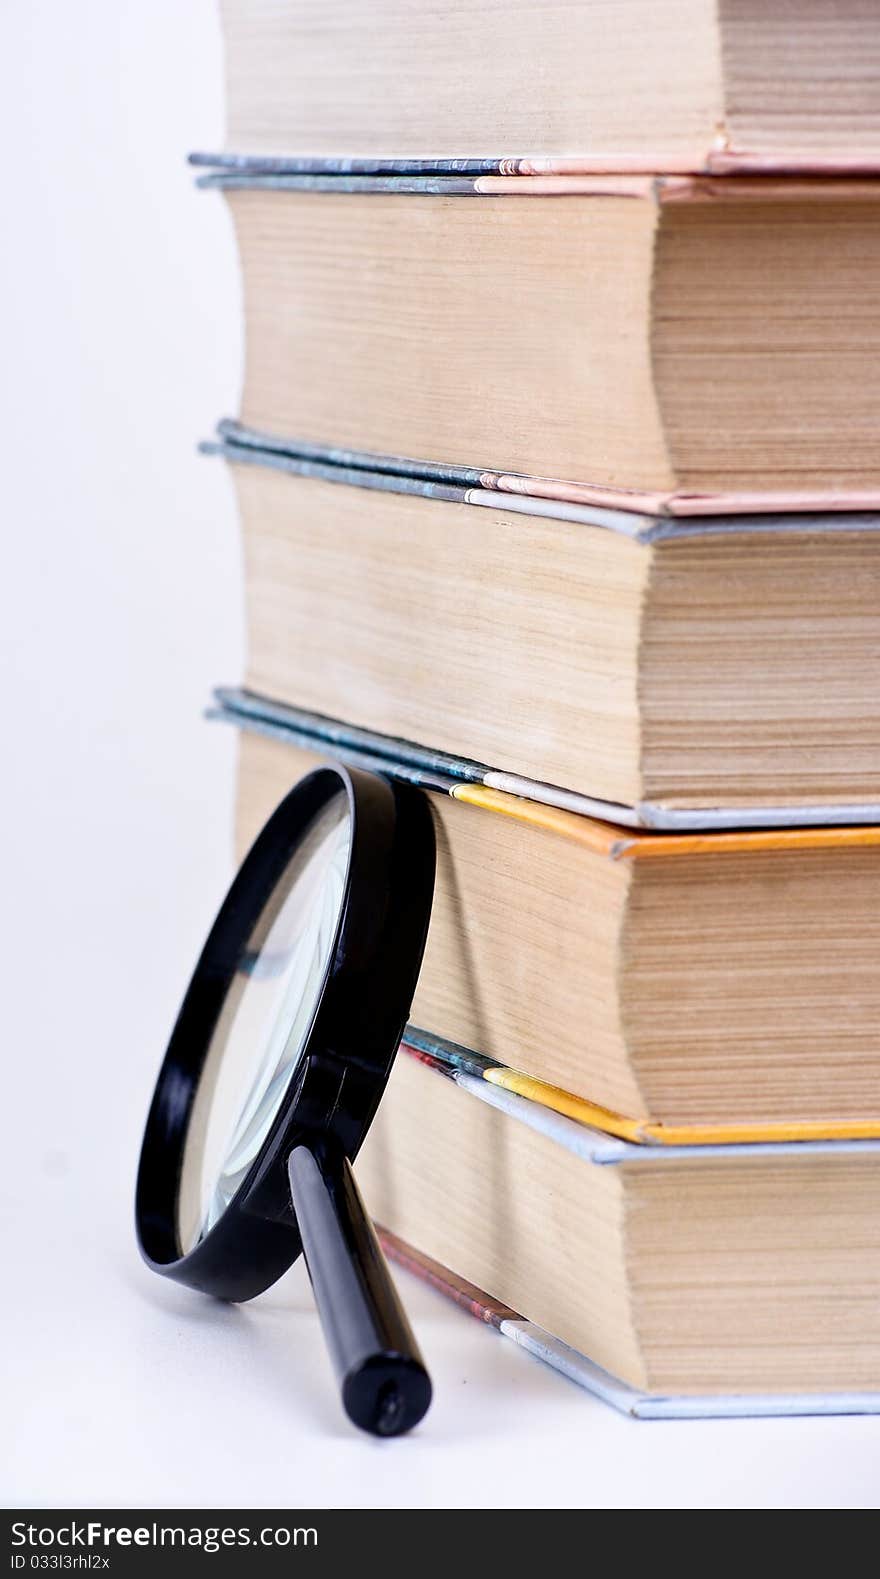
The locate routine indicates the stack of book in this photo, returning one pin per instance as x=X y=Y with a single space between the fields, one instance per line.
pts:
x=559 y=470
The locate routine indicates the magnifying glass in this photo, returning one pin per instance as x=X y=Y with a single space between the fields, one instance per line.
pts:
x=275 y=1068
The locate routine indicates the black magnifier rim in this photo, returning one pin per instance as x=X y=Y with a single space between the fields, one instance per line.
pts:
x=348 y=1050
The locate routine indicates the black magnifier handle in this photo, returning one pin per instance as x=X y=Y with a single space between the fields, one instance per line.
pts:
x=385 y=1386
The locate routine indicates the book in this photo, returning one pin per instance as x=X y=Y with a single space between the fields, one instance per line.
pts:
x=674 y=989
x=717 y=670
x=650 y=84
x=726 y=1271
x=673 y=345
x=575 y=1367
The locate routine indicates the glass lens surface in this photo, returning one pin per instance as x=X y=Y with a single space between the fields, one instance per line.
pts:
x=262 y=1029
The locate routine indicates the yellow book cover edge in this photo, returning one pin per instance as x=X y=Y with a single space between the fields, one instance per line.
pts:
x=619 y=844
x=646 y=1131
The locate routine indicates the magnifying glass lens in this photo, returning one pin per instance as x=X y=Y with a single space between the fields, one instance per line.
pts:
x=263 y=1026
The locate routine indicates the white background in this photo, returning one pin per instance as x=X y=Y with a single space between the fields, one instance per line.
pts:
x=121 y=595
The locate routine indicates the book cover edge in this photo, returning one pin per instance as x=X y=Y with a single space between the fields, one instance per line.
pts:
x=609 y=1389
x=649 y=517
x=646 y=831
